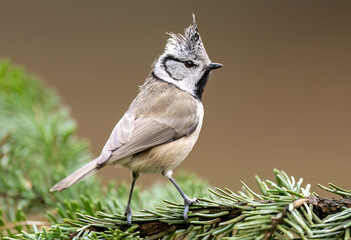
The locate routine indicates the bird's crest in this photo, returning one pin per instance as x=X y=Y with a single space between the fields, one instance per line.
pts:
x=188 y=43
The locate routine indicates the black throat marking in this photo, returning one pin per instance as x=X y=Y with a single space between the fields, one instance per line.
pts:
x=200 y=85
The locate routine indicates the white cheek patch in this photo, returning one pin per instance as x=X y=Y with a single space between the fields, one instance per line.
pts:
x=185 y=85
x=177 y=70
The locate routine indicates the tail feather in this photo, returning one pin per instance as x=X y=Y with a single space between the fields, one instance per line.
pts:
x=83 y=172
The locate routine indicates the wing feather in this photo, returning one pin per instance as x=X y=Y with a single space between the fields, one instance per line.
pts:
x=161 y=120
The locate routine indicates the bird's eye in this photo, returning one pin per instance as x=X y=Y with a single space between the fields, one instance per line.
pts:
x=189 y=64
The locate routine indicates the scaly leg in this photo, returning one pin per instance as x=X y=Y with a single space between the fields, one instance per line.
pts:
x=128 y=213
x=187 y=201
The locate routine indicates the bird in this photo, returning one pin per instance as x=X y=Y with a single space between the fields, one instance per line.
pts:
x=163 y=122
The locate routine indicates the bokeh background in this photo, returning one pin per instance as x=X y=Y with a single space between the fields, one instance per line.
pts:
x=282 y=99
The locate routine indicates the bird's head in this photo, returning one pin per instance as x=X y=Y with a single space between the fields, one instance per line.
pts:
x=185 y=62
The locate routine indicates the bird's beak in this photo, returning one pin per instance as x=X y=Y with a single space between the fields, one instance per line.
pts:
x=214 y=66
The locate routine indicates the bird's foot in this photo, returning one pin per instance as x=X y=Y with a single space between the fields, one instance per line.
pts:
x=129 y=214
x=187 y=203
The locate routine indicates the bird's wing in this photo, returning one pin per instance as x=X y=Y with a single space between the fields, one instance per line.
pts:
x=135 y=134
x=151 y=132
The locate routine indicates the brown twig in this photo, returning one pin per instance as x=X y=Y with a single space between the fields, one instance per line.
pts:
x=275 y=222
x=155 y=227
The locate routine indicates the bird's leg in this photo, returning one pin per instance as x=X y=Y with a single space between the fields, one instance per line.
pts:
x=128 y=213
x=187 y=201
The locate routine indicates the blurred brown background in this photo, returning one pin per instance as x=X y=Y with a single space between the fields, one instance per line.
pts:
x=282 y=99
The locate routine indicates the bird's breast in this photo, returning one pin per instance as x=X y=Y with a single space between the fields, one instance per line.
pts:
x=167 y=156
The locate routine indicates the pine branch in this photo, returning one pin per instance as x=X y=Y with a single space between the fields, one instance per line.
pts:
x=278 y=212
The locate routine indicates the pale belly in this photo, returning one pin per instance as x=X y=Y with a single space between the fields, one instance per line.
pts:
x=164 y=157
